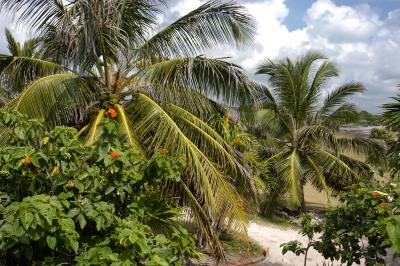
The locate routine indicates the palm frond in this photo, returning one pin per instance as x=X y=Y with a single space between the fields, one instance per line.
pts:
x=213 y=78
x=339 y=95
x=34 y=12
x=126 y=129
x=214 y=146
x=156 y=128
x=93 y=134
x=347 y=113
x=391 y=115
x=314 y=174
x=363 y=146
x=59 y=98
x=18 y=71
x=213 y=24
x=291 y=172
x=14 y=47
x=324 y=72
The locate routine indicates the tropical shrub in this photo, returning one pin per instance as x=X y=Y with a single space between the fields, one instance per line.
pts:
x=382 y=134
x=362 y=227
x=62 y=201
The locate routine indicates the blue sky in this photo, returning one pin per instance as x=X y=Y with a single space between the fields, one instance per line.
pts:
x=298 y=9
x=361 y=36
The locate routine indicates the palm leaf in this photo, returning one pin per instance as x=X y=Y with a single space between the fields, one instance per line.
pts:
x=290 y=170
x=156 y=128
x=93 y=133
x=339 y=95
x=392 y=113
x=59 y=98
x=213 y=24
x=213 y=78
x=214 y=146
x=18 y=71
x=126 y=129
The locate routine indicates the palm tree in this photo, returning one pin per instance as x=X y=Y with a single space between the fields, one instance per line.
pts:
x=99 y=55
x=14 y=74
x=298 y=129
x=391 y=118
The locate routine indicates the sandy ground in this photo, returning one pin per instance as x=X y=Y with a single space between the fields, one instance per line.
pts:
x=271 y=236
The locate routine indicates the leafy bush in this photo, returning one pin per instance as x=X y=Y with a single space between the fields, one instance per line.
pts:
x=364 y=226
x=383 y=134
x=65 y=202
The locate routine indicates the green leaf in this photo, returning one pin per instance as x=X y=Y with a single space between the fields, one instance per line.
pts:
x=393 y=231
x=74 y=212
x=133 y=238
x=79 y=185
x=109 y=190
x=74 y=245
x=67 y=225
x=26 y=219
x=82 y=221
x=51 y=241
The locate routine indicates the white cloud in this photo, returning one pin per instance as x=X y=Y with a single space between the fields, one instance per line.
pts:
x=272 y=35
x=184 y=7
x=17 y=29
x=341 y=23
x=365 y=47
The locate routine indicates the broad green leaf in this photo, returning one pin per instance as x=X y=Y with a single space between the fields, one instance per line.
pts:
x=82 y=221
x=393 y=231
x=51 y=241
x=26 y=219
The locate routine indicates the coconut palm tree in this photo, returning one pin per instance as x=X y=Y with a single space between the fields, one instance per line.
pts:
x=297 y=126
x=110 y=58
x=391 y=115
x=391 y=118
x=14 y=74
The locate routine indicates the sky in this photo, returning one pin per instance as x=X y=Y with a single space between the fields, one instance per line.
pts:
x=361 y=36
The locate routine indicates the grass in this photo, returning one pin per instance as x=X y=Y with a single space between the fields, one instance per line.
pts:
x=240 y=246
x=276 y=220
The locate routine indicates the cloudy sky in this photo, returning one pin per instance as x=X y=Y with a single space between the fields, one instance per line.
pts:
x=361 y=36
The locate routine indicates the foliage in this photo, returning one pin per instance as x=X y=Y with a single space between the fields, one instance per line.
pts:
x=382 y=134
x=297 y=129
x=66 y=202
x=363 y=227
x=391 y=118
x=369 y=119
x=240 y=246
x=310 y=226
x=94 y=55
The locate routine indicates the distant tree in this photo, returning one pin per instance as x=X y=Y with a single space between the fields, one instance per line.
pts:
x=298 y=129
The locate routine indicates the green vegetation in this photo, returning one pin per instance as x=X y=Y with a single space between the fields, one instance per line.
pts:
x=297 y=132
x=363 y=227
x=114 y=134
x=240 y=246
x=367 y=119
x=65 y=202
x=99 y=59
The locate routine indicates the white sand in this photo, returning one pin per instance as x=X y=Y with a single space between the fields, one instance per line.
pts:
x=271 y=236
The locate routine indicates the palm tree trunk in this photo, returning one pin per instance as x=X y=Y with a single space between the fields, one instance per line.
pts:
x=270 y=204
x=302 y=200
